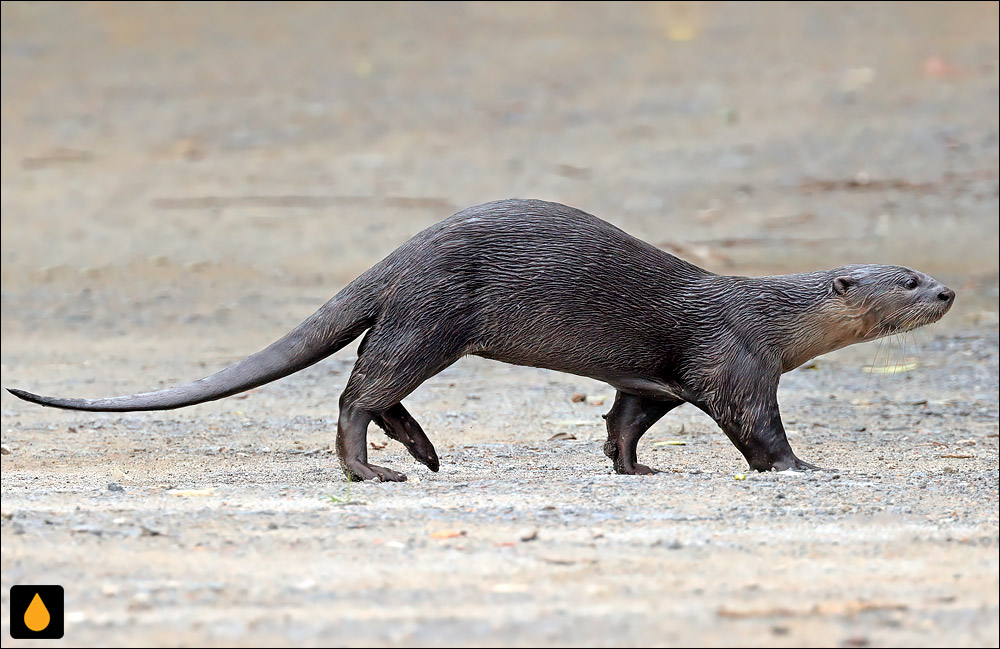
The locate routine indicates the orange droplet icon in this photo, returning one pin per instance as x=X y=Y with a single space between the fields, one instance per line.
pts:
x=37 y=616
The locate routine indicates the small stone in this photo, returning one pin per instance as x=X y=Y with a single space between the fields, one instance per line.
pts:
x=84 y=529
x=579 y=397
x=672 y=544
x=4 y=449
x=114 y=486
x=140 y=601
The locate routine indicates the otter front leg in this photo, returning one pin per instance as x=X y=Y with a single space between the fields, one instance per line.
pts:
x=750 y=417
x=402 y=427
x=630 y=417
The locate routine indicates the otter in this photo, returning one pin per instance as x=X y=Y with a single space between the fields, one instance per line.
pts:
x=541 y=284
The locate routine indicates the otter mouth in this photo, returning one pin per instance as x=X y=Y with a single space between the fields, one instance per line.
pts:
x=911 y=317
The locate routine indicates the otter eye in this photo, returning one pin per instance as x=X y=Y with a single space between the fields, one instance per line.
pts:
x=911 y=283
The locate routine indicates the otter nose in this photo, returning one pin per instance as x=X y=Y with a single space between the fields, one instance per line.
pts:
x=947 y=295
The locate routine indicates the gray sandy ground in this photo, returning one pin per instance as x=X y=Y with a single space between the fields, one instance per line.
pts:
x=181 y=185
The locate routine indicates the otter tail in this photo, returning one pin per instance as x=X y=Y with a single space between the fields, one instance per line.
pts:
x=335 y=324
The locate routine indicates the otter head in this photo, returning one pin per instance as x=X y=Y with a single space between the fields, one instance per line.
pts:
x=886 y=300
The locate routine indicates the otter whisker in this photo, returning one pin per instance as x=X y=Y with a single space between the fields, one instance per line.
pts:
x=882 y=341
x=885 y=325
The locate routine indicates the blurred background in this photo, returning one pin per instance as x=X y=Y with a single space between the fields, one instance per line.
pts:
x=181 y=183
x=237 y=147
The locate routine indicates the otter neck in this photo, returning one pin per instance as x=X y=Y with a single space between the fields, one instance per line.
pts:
x=800 y=317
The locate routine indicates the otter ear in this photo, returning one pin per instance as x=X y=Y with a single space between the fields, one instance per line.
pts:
x=842 y=284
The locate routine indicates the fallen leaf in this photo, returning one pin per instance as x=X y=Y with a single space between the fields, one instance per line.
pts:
x=856 y=79
x=891 y=369
x=448 y=534
x=192 y=493
x=749 y=613
x=939 y=68
x=562 y=436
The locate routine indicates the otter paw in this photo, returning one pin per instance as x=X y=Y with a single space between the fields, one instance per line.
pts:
x=793 y=464
x=801 y=465
x=426 y=455
x=388 y=475
x=360 y=472
x=636 y=469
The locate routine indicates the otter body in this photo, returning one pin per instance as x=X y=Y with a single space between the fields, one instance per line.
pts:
x=545 y=285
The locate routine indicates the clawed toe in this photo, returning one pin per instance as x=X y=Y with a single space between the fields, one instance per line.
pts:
x=426 y=457
x=805 y=466
x=388 y=475
x=361 y=472
x=793 y=464
x=635 y=469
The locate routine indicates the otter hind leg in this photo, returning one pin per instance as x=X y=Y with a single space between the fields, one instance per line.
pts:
x=384 y=374
x=630 y=417
x=399 y=425
x=352 y=448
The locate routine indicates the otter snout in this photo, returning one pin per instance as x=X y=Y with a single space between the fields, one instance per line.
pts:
x=941 y=296
x=939 y=299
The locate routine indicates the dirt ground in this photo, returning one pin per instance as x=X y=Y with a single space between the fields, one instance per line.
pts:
x=181 y=184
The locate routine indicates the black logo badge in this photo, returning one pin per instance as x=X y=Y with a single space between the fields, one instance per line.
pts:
x=36 y=612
